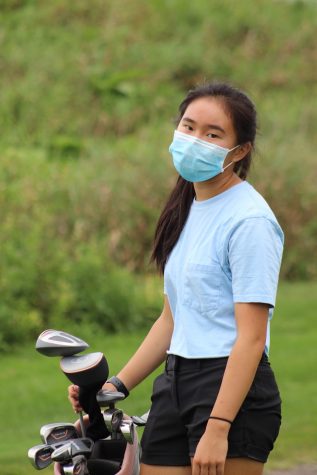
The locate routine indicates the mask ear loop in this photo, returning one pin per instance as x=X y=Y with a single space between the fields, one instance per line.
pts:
x=227 y=166
x=232 y=161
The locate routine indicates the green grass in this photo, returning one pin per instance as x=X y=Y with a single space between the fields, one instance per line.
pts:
x=33 y=390
x=294 y=336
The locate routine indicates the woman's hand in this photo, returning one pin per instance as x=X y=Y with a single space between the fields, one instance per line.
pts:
x=73 y=394
x=108 y=387
x=211 y=451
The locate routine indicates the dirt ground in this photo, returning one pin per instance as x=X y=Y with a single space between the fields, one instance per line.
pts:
x=301 y=470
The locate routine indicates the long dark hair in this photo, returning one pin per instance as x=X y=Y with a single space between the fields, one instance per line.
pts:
x=174 y=215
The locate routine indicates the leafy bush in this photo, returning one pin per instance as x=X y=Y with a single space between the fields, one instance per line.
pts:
x=55 y=265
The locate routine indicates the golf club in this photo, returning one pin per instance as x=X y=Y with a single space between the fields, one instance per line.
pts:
x=113 y=418
x=58 y=432
x=40 y=456
x=78 y=466
x=127 y=430
x=59 y=343
x=69 y=450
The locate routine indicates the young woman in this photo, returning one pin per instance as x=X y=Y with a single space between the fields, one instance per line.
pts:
x=216 y=409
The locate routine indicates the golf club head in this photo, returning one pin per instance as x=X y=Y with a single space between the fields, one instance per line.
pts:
x=106 y=398
x=62 y=453
x=113 y=418
x=59 y=343
x=73 y=448
x=40 y=456
x=85 y=370
x=82 y=446
x=78 y=466
x=140 y=420
x=127 y=430
x=58 y=432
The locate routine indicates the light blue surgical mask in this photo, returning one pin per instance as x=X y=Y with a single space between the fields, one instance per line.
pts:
x=196 y=159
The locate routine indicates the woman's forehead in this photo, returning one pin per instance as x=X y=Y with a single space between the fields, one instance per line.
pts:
x=208 y=111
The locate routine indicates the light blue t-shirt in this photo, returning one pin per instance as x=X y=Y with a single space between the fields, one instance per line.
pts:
x=229 y=251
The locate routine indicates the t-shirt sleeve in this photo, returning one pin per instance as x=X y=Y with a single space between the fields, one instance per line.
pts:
x=255 y=254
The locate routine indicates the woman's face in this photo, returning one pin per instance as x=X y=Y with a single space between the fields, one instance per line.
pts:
x=205 y=118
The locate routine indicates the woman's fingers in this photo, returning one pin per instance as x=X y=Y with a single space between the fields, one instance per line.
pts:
x=73 y=394
x=207 y=469
x=220 y=469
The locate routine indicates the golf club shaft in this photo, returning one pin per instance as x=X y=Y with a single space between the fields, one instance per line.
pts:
x=82 y=424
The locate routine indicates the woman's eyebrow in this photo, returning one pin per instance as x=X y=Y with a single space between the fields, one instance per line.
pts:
x=209 y=126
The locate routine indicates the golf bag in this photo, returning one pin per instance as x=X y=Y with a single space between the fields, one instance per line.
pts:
x=105 y=442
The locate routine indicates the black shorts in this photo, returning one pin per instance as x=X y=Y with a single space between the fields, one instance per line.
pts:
x=182 y=400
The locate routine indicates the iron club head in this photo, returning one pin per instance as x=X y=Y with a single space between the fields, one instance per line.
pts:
x=72 y=449
x=40 y=456
x=58 y=432
x=78 y=466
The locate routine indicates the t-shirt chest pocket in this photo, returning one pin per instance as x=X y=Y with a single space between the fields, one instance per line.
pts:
x=202 y=284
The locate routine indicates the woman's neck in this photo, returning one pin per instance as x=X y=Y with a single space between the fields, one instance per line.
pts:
x=213 y=187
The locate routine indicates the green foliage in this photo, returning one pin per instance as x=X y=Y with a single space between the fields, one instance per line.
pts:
x=88 y=94
x=55 y=263
x=97 y=292
x=64 y=146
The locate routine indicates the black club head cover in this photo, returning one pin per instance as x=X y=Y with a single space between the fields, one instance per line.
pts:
x=87 y=399
x=89 y=372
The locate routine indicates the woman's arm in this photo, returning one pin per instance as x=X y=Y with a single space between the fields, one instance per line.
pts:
x=146 y=359
x=152 y=350
x=251 y=320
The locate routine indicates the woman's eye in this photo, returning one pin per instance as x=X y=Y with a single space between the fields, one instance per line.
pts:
x=212 y=136
x=187 y=127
